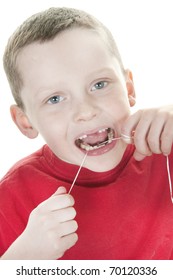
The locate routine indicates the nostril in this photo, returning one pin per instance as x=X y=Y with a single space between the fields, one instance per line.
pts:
x=85 y=113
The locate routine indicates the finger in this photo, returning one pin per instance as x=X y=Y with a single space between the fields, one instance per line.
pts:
x=140 y=137
x=167 y=137
x=154 y=134
x=60 y=202
x=127 y=139
x=62 y=215
x=67 y=228
x=60 y=190
x=137 y=126
x=138 y=156
x=68 y=241
x=56 y=202
x=129 y=126
x=65 y=243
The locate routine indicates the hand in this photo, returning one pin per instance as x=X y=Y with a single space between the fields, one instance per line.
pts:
x=151 y=131
x=50 y=230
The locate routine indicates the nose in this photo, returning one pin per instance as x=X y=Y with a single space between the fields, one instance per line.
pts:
x=85 y=110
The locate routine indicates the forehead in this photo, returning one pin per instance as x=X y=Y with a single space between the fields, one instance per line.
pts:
x=79 y=48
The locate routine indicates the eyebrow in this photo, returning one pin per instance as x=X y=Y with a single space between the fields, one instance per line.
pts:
x=106 y=70
x=103 y=70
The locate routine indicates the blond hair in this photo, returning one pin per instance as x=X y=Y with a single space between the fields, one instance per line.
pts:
x=44 y=26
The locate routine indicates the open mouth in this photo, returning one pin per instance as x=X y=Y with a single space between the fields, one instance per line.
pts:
x=96 y=140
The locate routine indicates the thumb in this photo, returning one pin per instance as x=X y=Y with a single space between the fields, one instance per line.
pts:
x=60 y=190
x=129 y=126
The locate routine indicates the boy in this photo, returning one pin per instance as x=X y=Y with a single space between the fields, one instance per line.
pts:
x=69 y=84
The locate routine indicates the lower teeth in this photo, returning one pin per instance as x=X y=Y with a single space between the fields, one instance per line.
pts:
x=90 y=148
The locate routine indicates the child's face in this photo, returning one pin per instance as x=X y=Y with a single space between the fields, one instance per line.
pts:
x=76 y=96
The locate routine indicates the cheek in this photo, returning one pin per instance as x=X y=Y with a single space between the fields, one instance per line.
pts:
x=47 y=120
x=117 y=105
x=52 y=126
x=53 y=130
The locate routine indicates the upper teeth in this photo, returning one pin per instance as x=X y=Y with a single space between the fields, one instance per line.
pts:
x=102 y=130
x=82 y=137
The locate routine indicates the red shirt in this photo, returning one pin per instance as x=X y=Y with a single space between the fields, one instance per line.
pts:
x=124 y=213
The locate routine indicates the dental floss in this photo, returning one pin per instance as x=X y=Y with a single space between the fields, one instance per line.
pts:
x=125 y=136
x=116 y=138
x=82 y=163
x=169 y=177
x=128 y=138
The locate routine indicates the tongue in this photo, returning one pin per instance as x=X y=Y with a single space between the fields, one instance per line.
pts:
x=95 y=138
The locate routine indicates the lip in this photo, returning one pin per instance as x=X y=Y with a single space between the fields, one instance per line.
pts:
x=101 y=150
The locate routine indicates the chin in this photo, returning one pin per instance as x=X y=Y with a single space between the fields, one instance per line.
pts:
x=101 y=168
x=104 y=162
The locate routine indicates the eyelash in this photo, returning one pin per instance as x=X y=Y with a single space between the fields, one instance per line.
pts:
x=52 y=101
x=102 y=83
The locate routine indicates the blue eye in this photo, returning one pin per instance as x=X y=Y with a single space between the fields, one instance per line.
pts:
x=55 y=99
x=99 y=85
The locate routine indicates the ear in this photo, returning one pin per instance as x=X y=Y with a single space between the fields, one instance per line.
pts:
x=22 y=122
x=130 y=88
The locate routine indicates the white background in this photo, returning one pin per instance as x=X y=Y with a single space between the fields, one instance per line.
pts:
x=143 y=30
